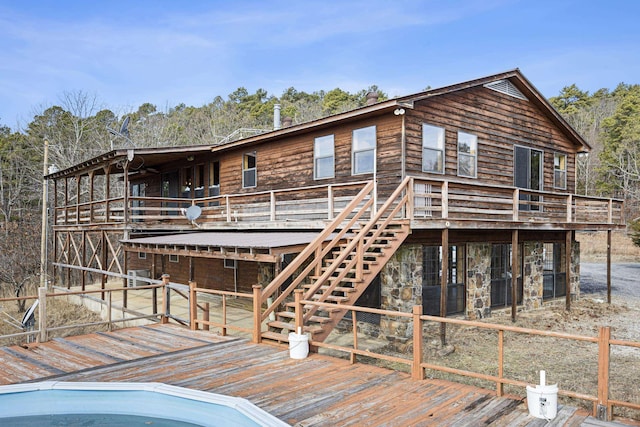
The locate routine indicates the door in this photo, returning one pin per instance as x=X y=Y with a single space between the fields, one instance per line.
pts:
x=528 y=175
x=170 y=188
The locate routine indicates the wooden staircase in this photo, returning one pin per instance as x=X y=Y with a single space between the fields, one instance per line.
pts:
x=338 y=266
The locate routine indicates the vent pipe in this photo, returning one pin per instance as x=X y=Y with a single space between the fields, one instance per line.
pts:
x=276 y=117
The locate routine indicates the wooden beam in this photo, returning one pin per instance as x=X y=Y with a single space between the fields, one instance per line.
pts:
x=515 y=272
x=609 y=266
x=444 y=279
x=567 y=268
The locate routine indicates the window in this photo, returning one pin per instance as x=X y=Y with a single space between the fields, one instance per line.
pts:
x=214 y=178
x=431 y=276
x=142 y=255
x=364 y=150
x=173 y=258
x=560 y=171
x=249 y=172
x=501 y=280
x=467 y=154
x=554 y=277
x=187 y=182
x=199 y=181
x=230 y=263
x=432 y=149
x=323 y=157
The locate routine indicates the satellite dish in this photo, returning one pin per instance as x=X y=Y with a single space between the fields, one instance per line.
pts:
x=30 y=316
x=124 y=129
x=193 y=212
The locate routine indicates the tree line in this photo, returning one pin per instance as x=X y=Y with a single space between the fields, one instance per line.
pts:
x=78 y=128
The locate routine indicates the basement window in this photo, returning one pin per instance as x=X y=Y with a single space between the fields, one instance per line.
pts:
x=230 y=263
x=142 y=255
x=173 y=258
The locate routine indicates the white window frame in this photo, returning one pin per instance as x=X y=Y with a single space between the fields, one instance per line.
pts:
x=362 y=150
x=472 y=154
x=556 y=170
x=439 y=148
x=174 y=258
x=246 y=170
x=318 y=144
x=142 y=255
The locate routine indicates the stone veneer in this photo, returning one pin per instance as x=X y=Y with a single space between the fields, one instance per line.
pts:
x=478 y=280
x=533 y=269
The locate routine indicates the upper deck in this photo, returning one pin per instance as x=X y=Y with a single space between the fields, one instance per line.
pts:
x=434 y=204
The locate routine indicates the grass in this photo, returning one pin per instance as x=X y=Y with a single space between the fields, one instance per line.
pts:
x=593 y=247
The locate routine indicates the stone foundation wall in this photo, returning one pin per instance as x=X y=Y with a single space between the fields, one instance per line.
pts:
x=575 y=270
x=478 y=280
x=533 y=269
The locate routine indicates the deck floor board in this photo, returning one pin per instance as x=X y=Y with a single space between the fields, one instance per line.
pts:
x=317 y=391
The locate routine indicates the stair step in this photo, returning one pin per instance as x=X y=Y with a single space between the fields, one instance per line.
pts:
x=310 y=307
x=275 y=336
x=337 y=288
x=313 y=319
x=331 y=298
x=345 y=279
x=291 y=327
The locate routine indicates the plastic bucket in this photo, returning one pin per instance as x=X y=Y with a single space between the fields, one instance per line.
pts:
x=542 y=401
x=298 y=345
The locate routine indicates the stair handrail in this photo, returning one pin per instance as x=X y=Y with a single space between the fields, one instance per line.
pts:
x=311 y=248
x=360 y=237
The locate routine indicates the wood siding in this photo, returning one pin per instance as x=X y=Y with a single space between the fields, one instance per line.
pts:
x=500 y=122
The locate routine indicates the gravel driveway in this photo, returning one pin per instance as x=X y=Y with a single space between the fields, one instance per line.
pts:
x=625 y=279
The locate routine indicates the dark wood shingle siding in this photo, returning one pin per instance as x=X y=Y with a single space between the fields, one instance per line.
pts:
x=500 y=122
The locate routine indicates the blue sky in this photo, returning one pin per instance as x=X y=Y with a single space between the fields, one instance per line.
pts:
x=125 y=53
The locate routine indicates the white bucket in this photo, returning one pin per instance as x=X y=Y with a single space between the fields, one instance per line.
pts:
x=298 y=345
x=542 y=401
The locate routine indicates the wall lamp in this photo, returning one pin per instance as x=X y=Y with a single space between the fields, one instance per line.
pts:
x=398 y=111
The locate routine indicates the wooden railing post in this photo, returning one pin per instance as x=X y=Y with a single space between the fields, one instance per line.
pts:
x=410 y=200
x=206 y=316
x=329 y=202
x=516 y=203
x=610 y=211
x=257 y=314
x=165 y=298
x=109 y=322
x=272 y=204
x=500 y=385
x=603 y=410
x=193 y=307
x=297 y=294
x=360 y=260
x=416 y=369
x=42 y=314
x=228 y=207
x=354 y=324
x=445 y=199
x=569 y=208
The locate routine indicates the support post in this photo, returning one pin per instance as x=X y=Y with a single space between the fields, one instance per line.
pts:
x=257 y=314
x=42 y=314
x=515 y=272
x=43 y=235
x=609 y=266
x=297 y=294
x=567 y=268
x=206 y=316
x=603 y=410
x=193 y=307
x=354 y=324
x=444 y=280
x=109 y=322
x=416 y=369
x=500 y=385
x=165 y=298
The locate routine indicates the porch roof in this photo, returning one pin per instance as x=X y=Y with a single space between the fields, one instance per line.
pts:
x=234 y=245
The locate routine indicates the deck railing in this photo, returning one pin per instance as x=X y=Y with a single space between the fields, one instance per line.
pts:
x=432 y=199
x=604 y=348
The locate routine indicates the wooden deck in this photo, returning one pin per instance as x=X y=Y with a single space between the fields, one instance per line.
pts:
x=317 y=391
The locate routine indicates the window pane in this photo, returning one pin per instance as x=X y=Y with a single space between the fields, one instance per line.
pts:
x=432 y=160
x=363 y=161
x=466 y=165
x=432 y=137
x=249 y=178
x=364 y=138
x=324 y=167
x=467 y=143
x=249 y=161
x=323 y=146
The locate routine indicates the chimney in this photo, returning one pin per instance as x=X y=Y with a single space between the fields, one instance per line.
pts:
x=372 y=98
x=276 y=117
x=287 y=121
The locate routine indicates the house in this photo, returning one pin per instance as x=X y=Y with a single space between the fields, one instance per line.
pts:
x=438 y=199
